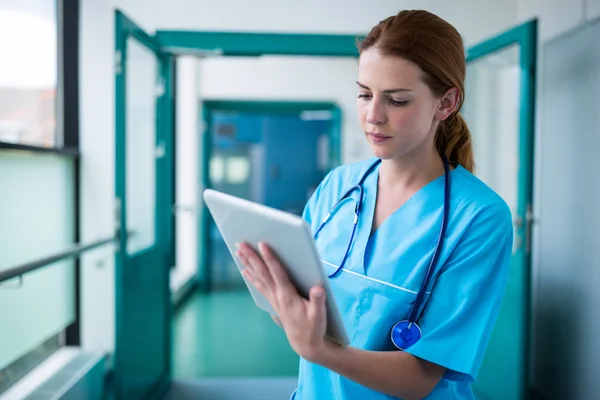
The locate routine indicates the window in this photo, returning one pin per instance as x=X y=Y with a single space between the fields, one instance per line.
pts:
x=28 y=72
x=38 y=113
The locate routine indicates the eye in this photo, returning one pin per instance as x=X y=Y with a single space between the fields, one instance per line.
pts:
x=365 y=96
x=398 y=103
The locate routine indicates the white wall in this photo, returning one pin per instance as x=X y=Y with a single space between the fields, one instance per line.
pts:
x=557 y=16
x=290 y=78
x=484 y=18
x=97 y=132
x=492 y=111
x=474 y=18
x=188 y=179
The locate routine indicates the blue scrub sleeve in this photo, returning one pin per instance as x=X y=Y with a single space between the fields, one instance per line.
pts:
x=459 y=316
x=310 y=213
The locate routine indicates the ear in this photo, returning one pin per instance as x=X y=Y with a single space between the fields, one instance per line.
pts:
x=448 y=103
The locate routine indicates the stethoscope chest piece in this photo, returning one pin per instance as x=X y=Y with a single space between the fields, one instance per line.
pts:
x=405 y=334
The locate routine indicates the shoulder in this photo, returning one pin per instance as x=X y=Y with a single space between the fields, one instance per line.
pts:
x=479 y=216
x=471 y=197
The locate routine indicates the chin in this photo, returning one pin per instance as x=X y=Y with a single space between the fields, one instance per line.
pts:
x=383 y=152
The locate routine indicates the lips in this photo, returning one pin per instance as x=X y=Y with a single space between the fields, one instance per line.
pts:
x=378 y=137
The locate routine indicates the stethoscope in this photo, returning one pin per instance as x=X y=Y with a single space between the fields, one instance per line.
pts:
x=406 y=332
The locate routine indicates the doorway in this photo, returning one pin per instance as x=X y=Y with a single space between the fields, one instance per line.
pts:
x=145 y=193
x=272 y=153
x=499 y=109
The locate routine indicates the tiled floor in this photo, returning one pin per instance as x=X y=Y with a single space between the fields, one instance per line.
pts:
x=232 y=389
x=224 y=334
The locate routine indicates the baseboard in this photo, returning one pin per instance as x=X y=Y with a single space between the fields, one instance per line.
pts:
x=184 y=292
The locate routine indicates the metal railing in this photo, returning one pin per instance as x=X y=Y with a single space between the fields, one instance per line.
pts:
x=74 y=251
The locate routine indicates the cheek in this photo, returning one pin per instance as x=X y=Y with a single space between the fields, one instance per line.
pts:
x=362 y=111
x=409 y=120
x=404 y=118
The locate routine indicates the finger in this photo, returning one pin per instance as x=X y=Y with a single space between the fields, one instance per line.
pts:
x=252 y=279
x=247 y=274
x=316 y=305
x=277 y=320
x=275 y=266
x=256 y=265
x=242 y=253
x=242 y=258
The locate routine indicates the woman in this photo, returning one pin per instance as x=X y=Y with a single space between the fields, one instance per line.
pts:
x=410 y=88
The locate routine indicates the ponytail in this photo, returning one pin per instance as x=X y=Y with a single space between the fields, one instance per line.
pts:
x=453 y=140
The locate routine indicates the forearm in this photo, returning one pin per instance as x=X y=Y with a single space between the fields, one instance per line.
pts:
x=395 y=373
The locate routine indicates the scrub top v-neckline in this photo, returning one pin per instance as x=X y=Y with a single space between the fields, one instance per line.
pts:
x=365 y=224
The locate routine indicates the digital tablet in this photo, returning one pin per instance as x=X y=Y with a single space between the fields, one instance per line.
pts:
x=240 y=220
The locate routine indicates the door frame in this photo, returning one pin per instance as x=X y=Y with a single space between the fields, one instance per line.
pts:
x=526 y=36
x=126 y=28
x=207 y=107
x=256 y=44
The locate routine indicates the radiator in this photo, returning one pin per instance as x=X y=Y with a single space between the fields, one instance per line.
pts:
x=70 y=374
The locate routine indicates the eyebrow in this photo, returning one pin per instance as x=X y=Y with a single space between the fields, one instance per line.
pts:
x=385 y=91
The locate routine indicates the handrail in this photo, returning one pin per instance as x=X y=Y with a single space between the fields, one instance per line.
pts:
x=74 y=251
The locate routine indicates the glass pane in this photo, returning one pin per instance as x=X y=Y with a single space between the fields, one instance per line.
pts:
x=28 y=72
x=36 y=210
x=492 y=111
x=142 y=70
x=238 y=169
x=232 y=166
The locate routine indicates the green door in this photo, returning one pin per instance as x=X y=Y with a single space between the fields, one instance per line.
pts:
x=144 y=199
x=499 y=108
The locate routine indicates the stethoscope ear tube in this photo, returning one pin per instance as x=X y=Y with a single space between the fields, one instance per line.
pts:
x=436 y=253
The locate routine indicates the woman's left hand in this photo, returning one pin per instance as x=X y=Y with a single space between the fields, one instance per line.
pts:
x=304 y=321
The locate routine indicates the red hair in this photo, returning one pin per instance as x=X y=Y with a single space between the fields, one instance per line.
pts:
x=437 y=48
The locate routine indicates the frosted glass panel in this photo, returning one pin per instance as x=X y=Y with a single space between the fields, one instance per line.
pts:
x=141 y=146
x=36 y=210
x=492 y=111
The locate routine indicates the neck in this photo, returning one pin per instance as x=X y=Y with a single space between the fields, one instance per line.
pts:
x=411 y=171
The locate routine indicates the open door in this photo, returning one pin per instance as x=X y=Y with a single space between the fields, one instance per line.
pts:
x=499 y=108
x=143 y=213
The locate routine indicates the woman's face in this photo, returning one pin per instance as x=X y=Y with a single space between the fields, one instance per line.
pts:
x=397 y=111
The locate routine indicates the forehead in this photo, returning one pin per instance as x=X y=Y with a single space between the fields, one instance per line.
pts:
x=382 y=72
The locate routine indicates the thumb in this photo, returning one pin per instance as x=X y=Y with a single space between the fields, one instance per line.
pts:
x=316 y=307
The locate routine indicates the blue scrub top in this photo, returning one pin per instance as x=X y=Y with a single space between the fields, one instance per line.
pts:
x=383 y=273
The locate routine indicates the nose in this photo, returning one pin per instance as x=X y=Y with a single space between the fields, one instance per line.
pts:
x=376 y=113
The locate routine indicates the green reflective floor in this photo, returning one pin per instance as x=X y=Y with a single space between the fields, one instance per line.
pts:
x=224 y=334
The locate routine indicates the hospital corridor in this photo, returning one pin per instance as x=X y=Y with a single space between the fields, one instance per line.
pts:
x=123 y=121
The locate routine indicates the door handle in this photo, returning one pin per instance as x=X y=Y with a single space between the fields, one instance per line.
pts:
x=529 y=220
x=518 y=222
